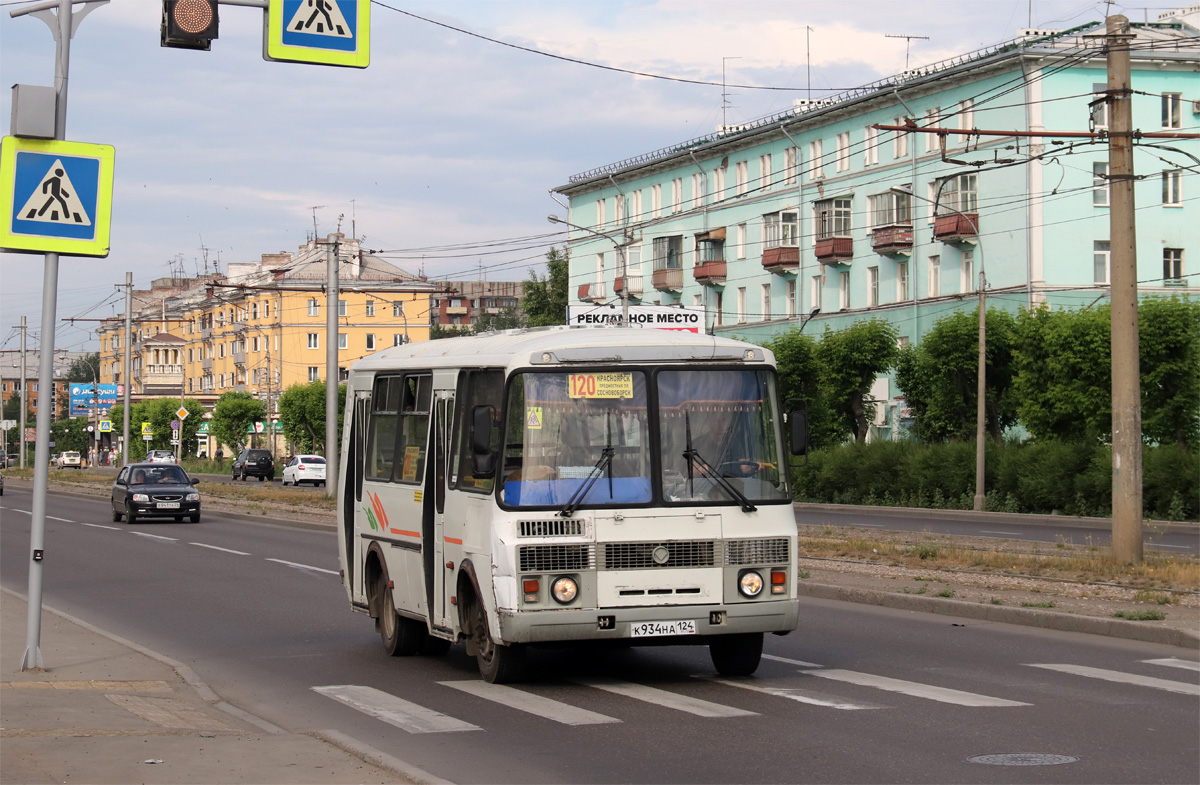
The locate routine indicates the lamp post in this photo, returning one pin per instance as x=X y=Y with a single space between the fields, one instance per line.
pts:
x=804 y=320
x=981 y=376
x=554 y=219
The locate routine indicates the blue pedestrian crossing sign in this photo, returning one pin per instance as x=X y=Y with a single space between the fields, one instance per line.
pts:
x=324 y=32
x=55 y=196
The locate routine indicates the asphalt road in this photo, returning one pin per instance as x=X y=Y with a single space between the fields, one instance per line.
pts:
x=858 y=694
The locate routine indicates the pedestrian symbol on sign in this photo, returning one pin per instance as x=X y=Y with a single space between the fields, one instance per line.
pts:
x=325 y=18
x=55 y=201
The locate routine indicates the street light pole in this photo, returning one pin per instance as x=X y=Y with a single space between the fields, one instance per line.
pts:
x=554 y=219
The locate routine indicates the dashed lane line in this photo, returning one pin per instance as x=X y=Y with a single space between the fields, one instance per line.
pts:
x=300 y=566
x=219 y=548
x=99 y=526
x=156 y=536
x=1175 y=662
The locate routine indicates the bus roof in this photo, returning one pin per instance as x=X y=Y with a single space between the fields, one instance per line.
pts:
x=566 y=345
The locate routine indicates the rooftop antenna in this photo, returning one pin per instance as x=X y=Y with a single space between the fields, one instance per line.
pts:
x=724 y=92
x=314 y=209
x=204 y=254
x=341 y=216
x=353 y=219
x=808 y=59
x=908 y=39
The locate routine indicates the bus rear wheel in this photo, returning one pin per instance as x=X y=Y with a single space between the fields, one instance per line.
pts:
x=736 y=655
x=497 y=664
x=401 y=637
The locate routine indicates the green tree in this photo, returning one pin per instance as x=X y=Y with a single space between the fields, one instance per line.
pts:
x=70 y=434
x=504 y=319
x=939 y=376
x=545 y=299
x=233 y=416
x=12 y=410
x=800 y=376
x=1169 y=349
x=851 y=359
x=302 y=415
x=85 y=369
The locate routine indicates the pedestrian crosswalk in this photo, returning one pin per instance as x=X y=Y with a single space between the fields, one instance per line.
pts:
x=792 y=680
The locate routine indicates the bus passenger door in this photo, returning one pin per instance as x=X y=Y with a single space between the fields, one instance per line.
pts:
x=443 y=417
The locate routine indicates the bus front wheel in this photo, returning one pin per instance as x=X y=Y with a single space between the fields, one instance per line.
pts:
x=736 y=655
x=497 y=664
x=401 y=637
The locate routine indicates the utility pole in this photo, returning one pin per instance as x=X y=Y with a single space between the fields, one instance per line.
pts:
x=1126 y=373
x=331 y=365
x=126 y=362
x=25 y=396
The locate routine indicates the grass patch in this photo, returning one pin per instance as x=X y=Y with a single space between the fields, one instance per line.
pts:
x=803 y=574
x=1141 y=615
x=996 y=601
x=1156 y=597
x=948 y=593
x=921 y=590
x=1047 y=604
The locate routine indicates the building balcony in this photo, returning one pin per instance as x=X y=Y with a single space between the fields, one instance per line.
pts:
x=892 y=240
x=710 y=272
x=206 y=334
x=956 y=227
x=206 y=364
x=835 y=250
x=668 y=279
x=629 y=285
x=456 y=310
x=239 y=358
x=782 y=259
x=591 y=292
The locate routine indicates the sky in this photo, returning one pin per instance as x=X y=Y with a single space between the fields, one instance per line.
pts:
x=445 y=150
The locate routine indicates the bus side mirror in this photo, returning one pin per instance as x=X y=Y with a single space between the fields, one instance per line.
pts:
x=483 y=460
x=798 y=423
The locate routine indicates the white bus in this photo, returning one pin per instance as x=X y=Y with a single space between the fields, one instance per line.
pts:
x=562 y=485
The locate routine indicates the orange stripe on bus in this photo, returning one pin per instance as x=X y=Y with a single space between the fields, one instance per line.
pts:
x=454 y=541
x=407 y=534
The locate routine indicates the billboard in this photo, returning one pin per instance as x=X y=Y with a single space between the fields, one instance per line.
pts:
x=84 y=397
x=661 y=317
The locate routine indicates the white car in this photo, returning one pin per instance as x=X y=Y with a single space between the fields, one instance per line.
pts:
x=160 y=456
x=70 y=460
x=304 y=468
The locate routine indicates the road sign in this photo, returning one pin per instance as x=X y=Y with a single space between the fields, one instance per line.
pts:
x=182 y=413
x=147 y=436
x=147 y=430
x=322 y=32
x=106 y=426
x=175 y=425
x=55 y=196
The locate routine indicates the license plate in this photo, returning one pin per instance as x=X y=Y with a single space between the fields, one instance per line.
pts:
x=649 y=629
x=168 y=505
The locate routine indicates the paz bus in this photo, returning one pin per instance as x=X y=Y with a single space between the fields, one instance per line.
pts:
x=561 y=486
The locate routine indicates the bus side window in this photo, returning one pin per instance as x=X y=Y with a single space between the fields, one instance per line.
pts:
x=381 y=429
x=414 y=428
x=476 y=388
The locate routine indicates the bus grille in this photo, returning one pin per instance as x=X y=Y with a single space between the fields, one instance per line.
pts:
x=555 y=527
x=770 y=551
x=553 y=558
x=640 y=555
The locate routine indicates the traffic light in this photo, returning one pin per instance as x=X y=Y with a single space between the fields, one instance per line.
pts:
x=189 y=24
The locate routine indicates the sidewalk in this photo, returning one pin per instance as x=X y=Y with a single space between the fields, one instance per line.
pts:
x=108 y=711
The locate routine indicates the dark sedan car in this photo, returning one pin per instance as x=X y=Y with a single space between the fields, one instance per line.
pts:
x=145 y=490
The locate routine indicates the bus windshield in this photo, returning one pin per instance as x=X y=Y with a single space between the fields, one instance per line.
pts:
x=584 y=438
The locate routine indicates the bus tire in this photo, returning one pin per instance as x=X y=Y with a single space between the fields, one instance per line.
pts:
x=401 y=637
x=736 y=655
x=497 y=664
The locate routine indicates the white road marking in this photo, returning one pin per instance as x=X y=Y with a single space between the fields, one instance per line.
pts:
x=801 y=663
x=14 y=509
x=530 y=703
x=670 y=700
x=403 y=714
x=156 y=536
x=915 y=689
x=1175 y=662
x=1124 y=678
x=791 y=694
x=64 y=520
x=302 y=566
x=218 y=548
x=1176 y=547
x=98 y=526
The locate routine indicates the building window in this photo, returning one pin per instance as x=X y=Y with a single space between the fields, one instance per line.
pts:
x=766 y=301
x=933 y=118
x=341 y=307
x=871 y=146
x=789 y=297
x=677 y=195
x=935 y=276
x=741 y=241
x=276 y=343
x=719 y=306
x=815 y=293
x=959 y=194
x=741 y=305
x=191 y=357
x=397 y=309
x=253 y=310
x=719 y=181
x=843 y=151
x=370 y=307
x=966 y=114
x=1173 y=265
x=899 y=140
x=220 y=350
x=314 y=308
x=891 y=208
x=637 y=205
x=791 y=165
x=1172 y=180
x=619 y=209
x=833 y=218
x=781 y=229
x=314 y=373
x=741 y=174
x=902 y=291
x=668 y=252
x=1100 y=261
x=254 y=344
x=1099 y=105
x=343 y=343
x=370 y=342
x=815 y=163
x=397 y=339
x=872 y=286
x=764 y=172
x=655 y=201
x=314 y=341
x=601 y=217
x=844 y=290
x=1172 y=110
x=1100 y=184
x=697 y=190
x=967 y=272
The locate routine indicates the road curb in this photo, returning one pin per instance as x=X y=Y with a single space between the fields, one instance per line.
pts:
x=1029 y=617
x=1007 y=518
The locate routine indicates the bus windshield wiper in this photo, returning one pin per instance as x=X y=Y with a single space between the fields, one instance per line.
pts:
x=605 y=463
x=694 y=458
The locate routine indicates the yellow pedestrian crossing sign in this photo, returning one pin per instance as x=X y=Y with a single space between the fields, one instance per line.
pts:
x=322 y=32
x=55 y=196
x=533 y=417
x=147 y=429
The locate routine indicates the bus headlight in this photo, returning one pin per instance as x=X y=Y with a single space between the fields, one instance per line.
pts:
x=564 y=590
x=750 y=583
